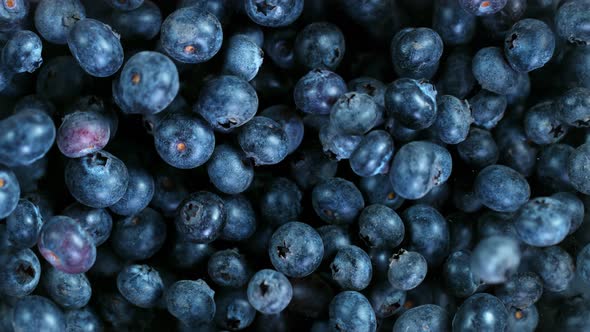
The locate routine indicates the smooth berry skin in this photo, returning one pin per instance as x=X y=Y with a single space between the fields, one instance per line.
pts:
x=456 y=75
x=96 y=47
x=427 y=233
x=200 y=217
x=230 y=171
x=227 y=102
x=378 y=190
x=20 y=272
x=499 y=23
x=141 y=285
x=479 y=149
x=290 y=121
x=573 y=207
x=281 y=202
x=124 y=5
x=320 y=45
x=529 y=45
x=583 y=264
x=54 y=18
x=278 y=46
x=454 y=119
x=97 y=180
x=454 y=25
x=369 y=86
x=482 y=7
x=428 y=317
x=70 y=291
x=576 y=166
x=386 y=300
x=227 y=268
x=13 y=14
x=571 y=20
x=493 y=72
x=573 y=107
x=191 y=301
x=36 y=313
x=575 y=69
x=184 y=140
x=351 y=268
x=337 y=201
x=264 y=141
x=351 y=311
x=60 y=79
x=487 y=108
x=337 y=145
x=354 y=113
x=550 y=165
x=459 y=278
x=555 y=266
x=373 y=154
x=24 y=224
x=380 y=226
x=416 y=52
x=273 y=13
x=66 y=245
x=418 y=167
x=142 y=23
x=242 y=58
x=169 y=190
x=296 y=249
x=542 y=126
x=541 y=222
x=22 y=52
x=525 y=320
x=521 y=291
x=191 y=35
x=411 y=102
x=501 y=188
x=147 y=85
x=253 y=32
x=138 y=195
x=334 y=238
x=186 y=255
x=139 y=237
x=25 y=137
x=495 y=258
x=318 y=90
x=97 y=222
x=83 y=320
x=82 y=133
x=407 y=270
x=269 y=291
x=481 y=312
x=233 y=311
x=240 y=219
x=311 y=166
x=516 y=151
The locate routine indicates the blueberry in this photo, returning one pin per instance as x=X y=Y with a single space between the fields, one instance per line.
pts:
x=191 y=301
x=97 y=222
x=418 y=167
x=296 y=249
x=228 y=268
x=479 y=148
x=550 y=165
x=140 y=236
x=542 y=126
x=529 y=45
x=240 y=219
x=169 y=190
x=229 y=170
x=124 y=5
x=456 y=74
x=319 y=45
x=386 y=300
x=351 y=311
x=138 y=195
x=501 y=188
x=337 y=145
x=269 y=291
x=273 y=13
x=24 y=224
x=22 y=52
x=453 y=23
x=53 y=18
x=416 y=52
x=575 y=68
x=373 y=154
x=481 y=312
x=354 y=113
x=378 y=190
x=541 y=222
x=242 y=58
x=493 y=72
x=186 y=255
x=227 y=102
x=200 y=217
x=116 y=310
x=97 y=180
x=148 y=83
x=82 y=133
x=281 y=202
x=427 y=232
x=453 y=120
x=83 y=320
x=573 y=107
x=264 y=140
x=483 y=7
x=12 y=14
x=406 y=270
x=500 y=22
x=20 y=272
x=334 y=238
x=461 y=231
x=525 y=320
x=191 y=35
x=351 y=268
x=70 y=291
x=318 y=90
x=290 y=121
x=380 y=226
x=570 y=21
x=583 y=264
x=184 y=140
x=337 y=201
x=576 y=165
x=233 y=311
x=458 y=276
x=36 y=313
x=495 y=259
x=142 y=22
x=487 y=108
x=311 y=166
x=253 y=32
x=96 y=47
x=411 y=102
x=60 y=79
x=141 y=285
x=429 y=317
x=516 y=151
x=279 y=46
x=25 y=137
x=521 y=291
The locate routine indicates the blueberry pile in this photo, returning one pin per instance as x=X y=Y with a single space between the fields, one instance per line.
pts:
x=275 y=165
